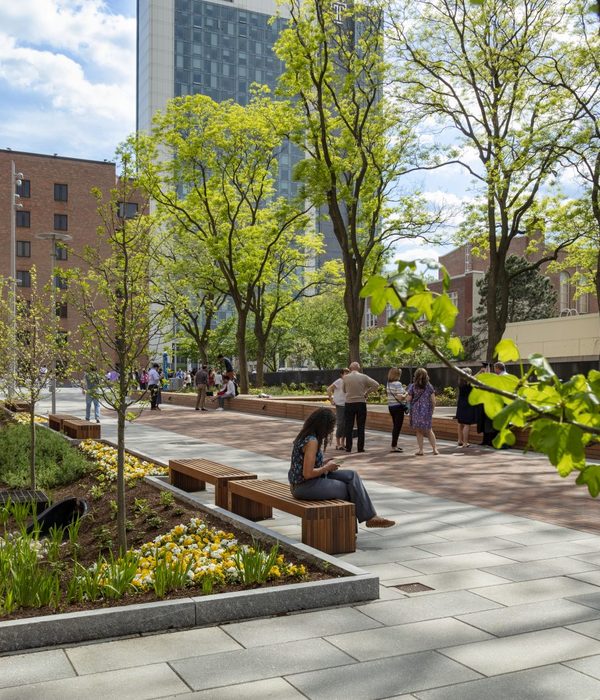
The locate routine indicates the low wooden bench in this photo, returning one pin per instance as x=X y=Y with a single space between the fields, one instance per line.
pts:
x=192 y=475
x=55 y=420
x=81 y=429
x=18 y=406
x=326 y=525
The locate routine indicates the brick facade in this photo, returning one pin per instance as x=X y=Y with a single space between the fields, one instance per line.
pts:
x=51 y=207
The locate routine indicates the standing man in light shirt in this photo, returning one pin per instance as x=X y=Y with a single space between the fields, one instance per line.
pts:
x=356 y=387
x=153 y=386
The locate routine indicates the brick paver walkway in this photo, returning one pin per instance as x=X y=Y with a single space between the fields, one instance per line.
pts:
x=503 y=480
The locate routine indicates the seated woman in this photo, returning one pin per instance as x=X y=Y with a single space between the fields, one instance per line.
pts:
x=311 y=479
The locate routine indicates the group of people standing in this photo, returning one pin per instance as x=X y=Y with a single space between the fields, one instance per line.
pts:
x=207 y=380
x=349 y=394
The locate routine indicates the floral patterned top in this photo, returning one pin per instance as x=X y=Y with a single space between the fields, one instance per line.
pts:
x=295 y=474
x=421 y=409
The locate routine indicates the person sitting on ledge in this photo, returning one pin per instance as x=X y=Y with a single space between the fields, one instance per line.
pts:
x=311 y=479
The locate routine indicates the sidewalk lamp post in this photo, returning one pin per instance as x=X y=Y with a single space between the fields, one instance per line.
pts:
x=53 y=237
x=16 y=180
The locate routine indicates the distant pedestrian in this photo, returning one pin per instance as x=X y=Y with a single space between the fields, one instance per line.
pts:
x=422 y=403
x=337 y=396
x=201 y=388
x=154 y=386
x=396 y=398
x=356 y=386
x=229 y=371
x=91 y=383
x=465 y=413
x=143 y=379
x=218 y=380
x=484 y=423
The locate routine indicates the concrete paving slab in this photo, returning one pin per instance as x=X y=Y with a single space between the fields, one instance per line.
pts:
x=406 y=639
x=522 y=651
x=271 y=689
x=548 y=683
x=591 y=558
x=429 y=607
x=530 y=617
x=481 y=544
x=383 y=553
x=538 y=589
x=548 y=551
x=592 y=577
x=146 y=682
x=256 y=633
x=472 y=516
x=382 y=678
x=456 y=562
x=140 y=651
x=392 y=571
x=590 y=629
x=451 y=581
x=590 y=599
x=34 y=668
x=590 y=666
x=544 y=568
x=556 y=534
x=259 y=663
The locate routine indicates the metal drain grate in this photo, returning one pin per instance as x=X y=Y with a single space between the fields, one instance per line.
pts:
x=25 y=496
x=414 y=587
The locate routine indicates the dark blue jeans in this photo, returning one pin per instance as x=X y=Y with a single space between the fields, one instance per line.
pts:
x=352 y=412
x=345 y=484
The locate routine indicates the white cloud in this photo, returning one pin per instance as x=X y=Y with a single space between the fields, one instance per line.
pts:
x=67 y=77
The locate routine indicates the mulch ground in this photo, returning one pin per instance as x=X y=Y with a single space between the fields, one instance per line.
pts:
x=502 y=480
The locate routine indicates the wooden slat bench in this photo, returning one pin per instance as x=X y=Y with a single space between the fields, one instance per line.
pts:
x=326 y=525
x=192 y=475
x=55 y=420
x=81 y=429
x=18 y=406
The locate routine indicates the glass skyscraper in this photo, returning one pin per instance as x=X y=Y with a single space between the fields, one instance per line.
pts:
x=217 y=48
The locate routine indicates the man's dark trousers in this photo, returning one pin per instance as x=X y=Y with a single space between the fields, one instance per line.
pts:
x=351 y=411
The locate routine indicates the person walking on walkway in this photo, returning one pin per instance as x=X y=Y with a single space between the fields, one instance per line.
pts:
x=396 y=398
x=312 y=479
x=356 y=386
x=154 y=386
x=422 y=403
x=337 y=396
x=201 y=380
x=91 y=381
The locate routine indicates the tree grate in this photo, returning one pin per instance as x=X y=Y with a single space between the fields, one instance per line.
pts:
x=414 y=587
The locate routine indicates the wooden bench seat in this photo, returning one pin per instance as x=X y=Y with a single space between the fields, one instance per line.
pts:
x=192 y=475
x=55 y=420
x=326 y=525
x=81 y=429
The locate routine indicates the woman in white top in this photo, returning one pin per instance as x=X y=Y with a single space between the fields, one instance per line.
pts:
x=396 y=397
x=337 y=396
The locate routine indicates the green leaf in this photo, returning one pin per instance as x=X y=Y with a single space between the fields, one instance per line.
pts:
x=590 y=477
x=507 y=351
x=374 y=285
x=444 y=312
x=562 y=444
x=492 y=403
x=423 y=302
x=594 y=380
x=455 y=346
x=543 y=370
x=514 y=414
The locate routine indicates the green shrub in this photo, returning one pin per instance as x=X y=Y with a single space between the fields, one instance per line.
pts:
x=57 y=462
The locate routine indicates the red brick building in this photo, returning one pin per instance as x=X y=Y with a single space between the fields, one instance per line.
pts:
x=55 y=196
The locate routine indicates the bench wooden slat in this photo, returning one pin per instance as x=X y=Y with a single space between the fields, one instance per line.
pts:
x=192 y=475
x=81 y=429
x=55 y=420
x=326 y=525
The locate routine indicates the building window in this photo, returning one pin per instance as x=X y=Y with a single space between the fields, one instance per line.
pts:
x=61 y=252
x=23 y=219
x=453 y=296
x=24 y=189
x=60 y=282
x=61 y=222
x=128 y=210
x=61 y=193
x=583 y=304
x=389 y=312
x=370 y=318
x=23 y=278
x=565 y=291
x=23 y=249
x=61 y=310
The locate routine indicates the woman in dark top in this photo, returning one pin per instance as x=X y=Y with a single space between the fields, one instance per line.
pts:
x=465 y=413
x=312 y=479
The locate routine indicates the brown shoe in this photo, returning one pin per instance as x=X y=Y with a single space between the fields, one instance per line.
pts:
x=379 y=522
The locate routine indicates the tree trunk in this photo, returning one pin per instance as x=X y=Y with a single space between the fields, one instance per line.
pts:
x=32 y=479
x=354 y=307
x=121 y=505
x=260 y=366
x=240 y=337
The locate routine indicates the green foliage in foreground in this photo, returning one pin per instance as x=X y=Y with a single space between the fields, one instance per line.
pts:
x=562 y=417
x=57 y=462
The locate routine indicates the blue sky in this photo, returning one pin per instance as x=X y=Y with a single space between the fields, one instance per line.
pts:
x=67 y=76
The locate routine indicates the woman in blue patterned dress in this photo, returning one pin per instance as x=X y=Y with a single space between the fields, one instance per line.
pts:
x=422 y=403
x=312 y=479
